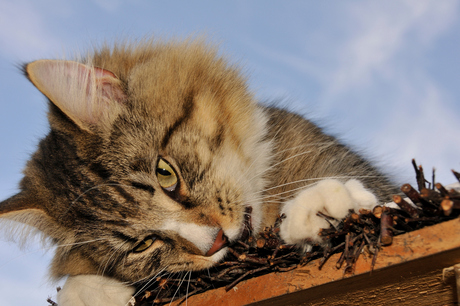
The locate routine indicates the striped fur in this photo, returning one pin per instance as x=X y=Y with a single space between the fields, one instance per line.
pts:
x=91 y=185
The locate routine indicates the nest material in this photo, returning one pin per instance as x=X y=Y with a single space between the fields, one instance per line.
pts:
x=364 y=230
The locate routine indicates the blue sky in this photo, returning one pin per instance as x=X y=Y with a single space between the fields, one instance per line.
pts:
x=383 y=75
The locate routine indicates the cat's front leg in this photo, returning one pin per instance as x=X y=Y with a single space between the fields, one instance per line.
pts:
x=331 y=197
x=88 y=290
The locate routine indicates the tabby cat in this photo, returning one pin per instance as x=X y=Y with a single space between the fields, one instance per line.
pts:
x=156 y=153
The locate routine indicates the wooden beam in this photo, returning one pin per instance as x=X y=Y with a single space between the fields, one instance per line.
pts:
x=409 y=272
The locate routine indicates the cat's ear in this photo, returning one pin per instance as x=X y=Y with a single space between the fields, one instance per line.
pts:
x=28 y=210
x=90 y=96
x=17 y=203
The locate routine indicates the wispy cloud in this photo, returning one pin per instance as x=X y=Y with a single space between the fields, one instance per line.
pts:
x=109 y=5
x=381 y=34
x=390 y=45
x=371 y=70
x=426 y=129
x=23 y=31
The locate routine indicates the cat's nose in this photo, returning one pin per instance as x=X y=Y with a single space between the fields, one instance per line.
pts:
x=219 y=243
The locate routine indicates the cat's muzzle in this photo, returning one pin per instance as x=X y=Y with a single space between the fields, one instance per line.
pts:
x=222 y=240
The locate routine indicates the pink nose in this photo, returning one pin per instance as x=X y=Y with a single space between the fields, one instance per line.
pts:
x=219 y=243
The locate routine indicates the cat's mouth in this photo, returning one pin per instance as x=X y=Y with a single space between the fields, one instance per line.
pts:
x=222 y=240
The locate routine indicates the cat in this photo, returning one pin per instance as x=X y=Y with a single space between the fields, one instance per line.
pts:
x=157 y=150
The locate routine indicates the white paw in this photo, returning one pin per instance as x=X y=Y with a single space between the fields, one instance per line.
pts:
x=86 y=290
x=330 y=197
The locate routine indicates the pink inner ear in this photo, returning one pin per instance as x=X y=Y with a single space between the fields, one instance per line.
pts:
x=108 y=90
x=103 y=73
x=88 y=95
x=109 y=85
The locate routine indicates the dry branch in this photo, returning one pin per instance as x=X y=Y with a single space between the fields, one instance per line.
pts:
x=360 y=231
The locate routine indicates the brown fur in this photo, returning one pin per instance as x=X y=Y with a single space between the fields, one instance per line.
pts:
x=91 y=185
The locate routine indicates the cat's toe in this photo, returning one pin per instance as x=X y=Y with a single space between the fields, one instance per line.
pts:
x=301 y=222
x=330 y=197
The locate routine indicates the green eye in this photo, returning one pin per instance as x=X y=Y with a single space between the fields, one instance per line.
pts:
x=166 y=175
x=144 y=245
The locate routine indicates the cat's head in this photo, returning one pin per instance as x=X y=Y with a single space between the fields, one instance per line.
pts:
x=155 y=152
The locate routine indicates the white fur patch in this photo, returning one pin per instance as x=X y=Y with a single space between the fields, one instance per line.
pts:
x=362 y=197
x=201 y=236
x=86 y=290
x=329 y=196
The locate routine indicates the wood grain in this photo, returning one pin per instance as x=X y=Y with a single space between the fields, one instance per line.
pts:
x=409 y=272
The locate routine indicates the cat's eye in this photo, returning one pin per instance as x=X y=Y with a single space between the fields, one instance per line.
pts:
x=144 y=244
x=166 y=175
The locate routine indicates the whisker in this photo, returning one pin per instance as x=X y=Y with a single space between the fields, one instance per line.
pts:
x=45 y=249
x=78 y=243
x=325 y=145
x=88 y=190
x=178 y=287
x=319 y=179
x=188 y=285
x=329 y=143
x=152 y=280
x=108 y=260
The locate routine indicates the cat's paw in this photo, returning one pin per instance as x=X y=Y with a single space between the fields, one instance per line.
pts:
x=84 y=290
x=331 y=197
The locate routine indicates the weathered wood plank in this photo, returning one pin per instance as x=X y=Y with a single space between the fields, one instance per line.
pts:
x=408 y=272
